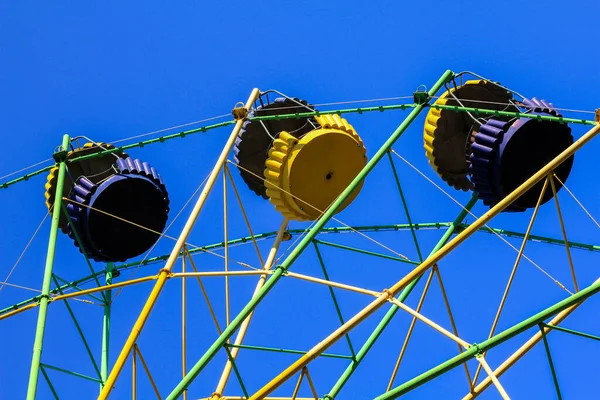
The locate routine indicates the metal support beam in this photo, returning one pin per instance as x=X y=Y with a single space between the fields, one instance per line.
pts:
x=362 y=353
x=45 y=296
x=281 y=269
x=139 y=324
x=244 y=328
x=496 y=340
x=384 y=297
x=108 y=276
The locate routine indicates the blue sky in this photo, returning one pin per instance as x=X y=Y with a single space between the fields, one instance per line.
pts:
x=111 y=70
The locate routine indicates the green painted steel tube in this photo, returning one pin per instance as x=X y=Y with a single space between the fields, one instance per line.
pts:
x=367 y=252
x=359 y=110
x=335 y=229
x=550 y=362
x=534 y=238
x=80 y=331
x=45 y=296
x=245 y=239
x=289 y=351
x=362 y=353
x=66 y=371
x=514 y=114
x=283 y=267
x=494 y=341
x=106 y=326
x=412 y=229
x=573 y=332
x=50 y=385
x=333 y=297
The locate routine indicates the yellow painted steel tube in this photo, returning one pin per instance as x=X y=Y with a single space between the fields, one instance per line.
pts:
x=517 y=355
x=244 y=327
x=139 y=324
x=428 y=263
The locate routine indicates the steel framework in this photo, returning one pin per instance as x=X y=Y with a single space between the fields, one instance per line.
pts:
x=272 y=271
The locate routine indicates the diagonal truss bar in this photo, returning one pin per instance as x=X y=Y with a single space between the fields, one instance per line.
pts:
x=66 y=371
x=362 y=353
x=136 y=349
x=496 y=340
x=333 y=296
x=429 y=262
x=564 y=233
x=371 y=253
x=45 y=296
x=80 y=331
x=139 y=324
x=493 y=377
x=244 y=327
x=514 y=270
x=572 y=332
x=412 y=229
x=236 y=370
x=550 y=362
x=60 y=288
x=82 y=248
x=288 y=351
x=410 y=331
x=203 y=289
x=528 y=345
x=285 y=265
x=50 y=385
x=452 y=321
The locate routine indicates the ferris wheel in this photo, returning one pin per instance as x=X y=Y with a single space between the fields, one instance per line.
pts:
x=338 y=289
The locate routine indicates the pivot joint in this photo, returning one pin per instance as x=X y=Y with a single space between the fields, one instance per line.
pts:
x=420 y=95
x=239 y=111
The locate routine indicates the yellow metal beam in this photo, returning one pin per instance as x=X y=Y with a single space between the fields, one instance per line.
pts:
x=517 y=355
x=162 y=278
x=183 y=326
x=244 y=327
x=514 y=271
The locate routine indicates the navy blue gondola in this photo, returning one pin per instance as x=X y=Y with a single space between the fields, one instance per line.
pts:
x=504 y=155
x=122 y=216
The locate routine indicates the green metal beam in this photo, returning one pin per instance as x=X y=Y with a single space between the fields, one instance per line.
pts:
x=356 y=110
x=514 y=114
x=279 y=350
x=552 y=370
x=80 y=331
x=534 y=238
x=203 y=129
x=333 y=297
x=236 y=371
x=82 y=249
x=320 y=223
x=106 y=325
x=330 y=230
x=246 y=239
x=370 y=253
x=45 y=296
x=362 y=353
x=573 y=332
x=412 y=229
x=50 y=385
x=66 y=371
x=72 y=285
x=488 y=344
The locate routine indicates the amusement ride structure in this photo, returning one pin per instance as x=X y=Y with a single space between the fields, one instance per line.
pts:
x=511 y=153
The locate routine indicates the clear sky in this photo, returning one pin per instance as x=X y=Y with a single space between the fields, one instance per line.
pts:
x=111 y=70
